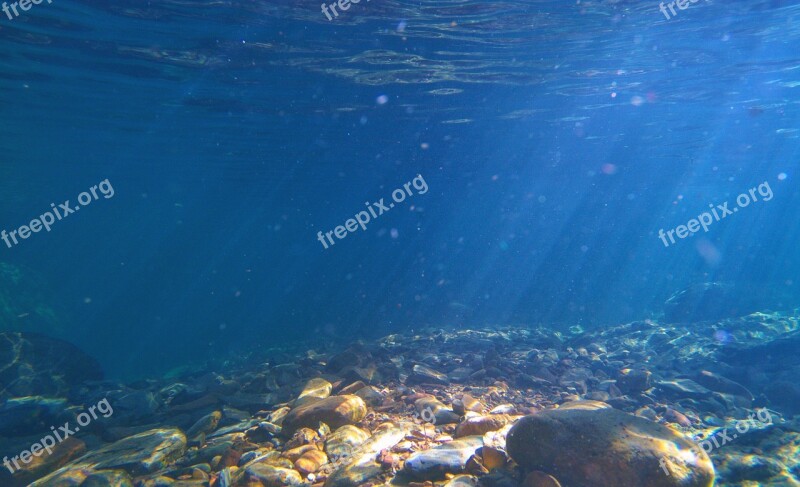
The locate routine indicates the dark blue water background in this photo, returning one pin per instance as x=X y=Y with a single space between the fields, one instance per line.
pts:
x=556 y=139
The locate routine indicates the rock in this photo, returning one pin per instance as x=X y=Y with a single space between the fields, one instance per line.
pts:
x=633 y=381
x=314 y=390
x=503 y=409
x=426 y=375
x=754 y=468
x=435 y=463
x=683 y=388
x=335 y=411
x=348 y=358
x=353 y=388
x=43 y=464
x=253 y=402
x=460 y=374
x=368 y=374
x=31 y=415
x=310 y=461
x=303 y=436
x=785 y=395
x=272 y=476
x=718 y=383
x=605 y=447
x=204 y=425
x=478 y=425
x=492 y=458
x=344 y=441
x=370 y=395
x=362 y=467
x=138 y=455
x=295 y=453
x=466 y=403
x=431 y=410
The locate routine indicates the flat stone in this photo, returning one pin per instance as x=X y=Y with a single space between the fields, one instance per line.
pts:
x=138 y=455
x=683 y=388
x=422 y=374
x=435 y=463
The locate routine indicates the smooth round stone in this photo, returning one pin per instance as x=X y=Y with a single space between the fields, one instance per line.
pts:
x=479 y=425
x=343 y=442
x=272 y=476
x=311 y=461
x=335 y=411
x=606 y=447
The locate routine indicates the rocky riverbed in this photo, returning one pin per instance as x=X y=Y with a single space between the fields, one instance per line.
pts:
x=641 y=404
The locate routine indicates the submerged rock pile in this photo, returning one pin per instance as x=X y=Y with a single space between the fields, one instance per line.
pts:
x=642 y=404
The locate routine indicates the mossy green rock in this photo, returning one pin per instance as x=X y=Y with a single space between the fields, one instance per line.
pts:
x=604 y=447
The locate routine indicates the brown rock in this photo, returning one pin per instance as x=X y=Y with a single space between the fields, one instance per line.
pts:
x=335 y=411
x=310 y=462
x=605 y=447
x=479 y=425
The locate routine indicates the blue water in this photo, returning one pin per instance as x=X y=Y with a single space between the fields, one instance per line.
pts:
x=556 y=139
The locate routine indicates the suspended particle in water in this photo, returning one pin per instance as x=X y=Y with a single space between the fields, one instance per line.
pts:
x=382 y=100
x=722 y=336
x=609 y=169
x=782 y=176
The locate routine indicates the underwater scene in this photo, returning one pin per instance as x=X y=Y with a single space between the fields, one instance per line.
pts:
x=431 y=243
